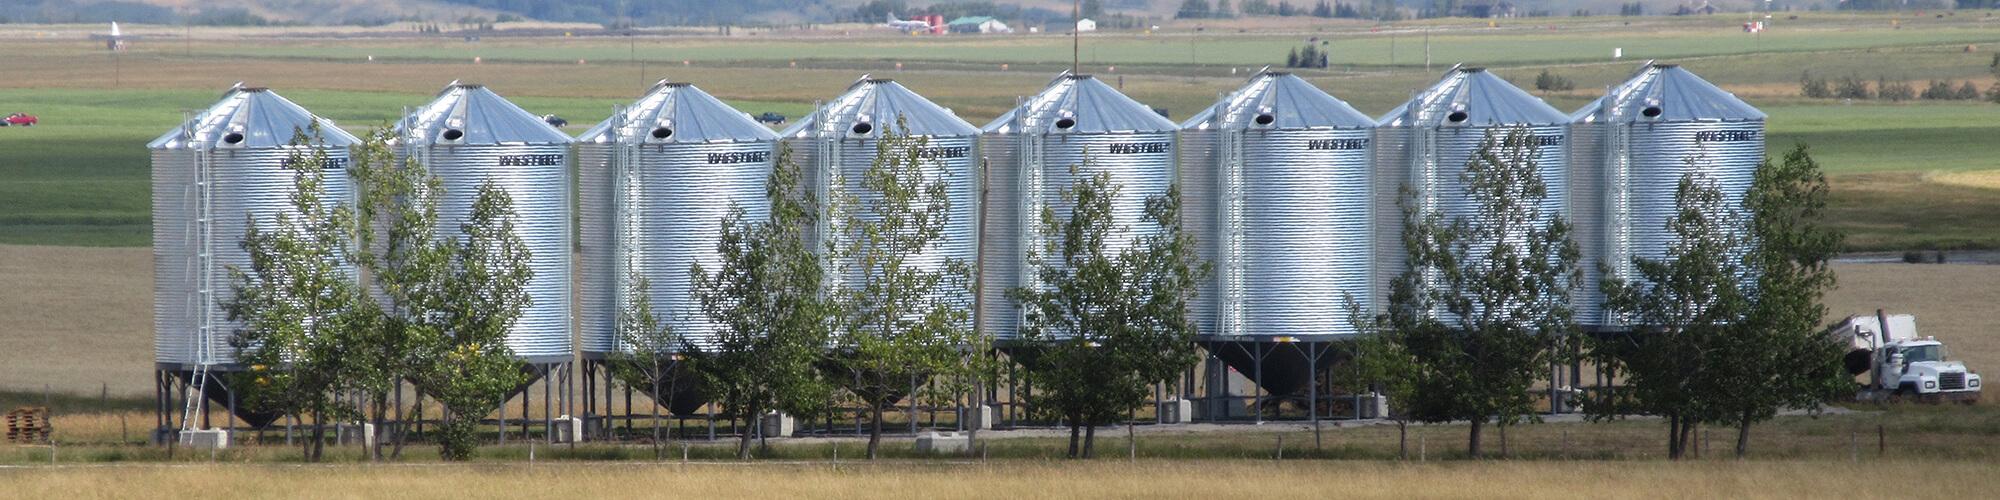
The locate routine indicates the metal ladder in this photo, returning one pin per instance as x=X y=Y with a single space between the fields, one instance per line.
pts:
x=204 y=349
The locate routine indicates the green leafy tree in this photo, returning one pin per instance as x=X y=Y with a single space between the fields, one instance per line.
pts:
x=1795 y=366
x=464 y=362
x=1484 y=303
x=1383 y=363
x=902 y=319
x=1684 y=307
x=298 y=304
x=650 y=354
x=408 y=268
x=1106 y=326
x=766 y=300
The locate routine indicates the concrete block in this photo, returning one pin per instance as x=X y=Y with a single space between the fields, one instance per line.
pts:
x=979 y=417
x=355 y=434
x=205 y=439
x=568 y=429
x=1374 y=405
x=778 y=424
x=1178 y=411
x=943 y=443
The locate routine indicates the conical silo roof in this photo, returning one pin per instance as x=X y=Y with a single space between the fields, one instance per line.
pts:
x=1484 y=99
x=469 y=113
x=879 y=103
x=1277 y=99
x=1667 y=92
x=683 y=114
x=1088 y=105
x=251 y=117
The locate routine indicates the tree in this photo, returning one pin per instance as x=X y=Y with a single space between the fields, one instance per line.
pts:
x=650 y=352
x=1194 y=9
x=1381 y=361
x=1322 y=9
x=904 y=314
x=1550 y=82
x=1292 y=59
x=1814 y=88
x=1107 y=326
x=1791 y=245
x=463 y=359
x=765 y=299
x=298 y=304
x=1485 y=300
x=408 y=266
x=1683 y=307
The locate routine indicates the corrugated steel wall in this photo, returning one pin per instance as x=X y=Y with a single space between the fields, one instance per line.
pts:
x=542 y=208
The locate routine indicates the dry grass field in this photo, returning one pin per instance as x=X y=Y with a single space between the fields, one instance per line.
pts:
x=76 y=319
x=1144 y=479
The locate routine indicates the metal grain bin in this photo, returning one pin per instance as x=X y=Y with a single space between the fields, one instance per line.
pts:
x=222 y=168
x=1283 y=182
x=655 y=181
x=1633 y=146
x=838 y=143
x=1033 y=149
x=469 y=136
x=1439 y=130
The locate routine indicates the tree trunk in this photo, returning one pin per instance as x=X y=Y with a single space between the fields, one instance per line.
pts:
x=1502 y=426
x=749 y=431
x=656 y=421
x=1743 y=436
x=1673 y=437
x=875 y=431
x=1075 y=438
x=1402 y=440
x=1472 y=438
x=1090 y=441
x=319 y=435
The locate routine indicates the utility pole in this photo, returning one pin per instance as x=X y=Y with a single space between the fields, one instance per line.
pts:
x=1075 y=35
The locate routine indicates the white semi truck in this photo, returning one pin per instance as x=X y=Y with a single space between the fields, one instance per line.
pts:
x=1901 y=364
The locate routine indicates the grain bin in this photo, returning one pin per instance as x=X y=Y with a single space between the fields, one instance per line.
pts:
x=839 y=142
x=225 y=166
x=1030 y=152
x=1282 y=179
x=1632 y=147
x=1426 y=143
x=1276 y=180
x=655 y=181
x=467 y=137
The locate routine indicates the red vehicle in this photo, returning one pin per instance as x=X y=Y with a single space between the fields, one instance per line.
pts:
x=22 y=119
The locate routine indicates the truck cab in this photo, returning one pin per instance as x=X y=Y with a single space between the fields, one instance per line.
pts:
x=1920 y=367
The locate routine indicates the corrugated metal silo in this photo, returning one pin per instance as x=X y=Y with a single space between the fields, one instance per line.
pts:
x=469 y=136
x=1633 y=146
x=211 y=175
x=1287 y=193
x=1427 y=142
x=655 y=181
x=1032 y=150
x=838 y=143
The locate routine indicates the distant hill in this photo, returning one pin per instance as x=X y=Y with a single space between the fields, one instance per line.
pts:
x=748 y=12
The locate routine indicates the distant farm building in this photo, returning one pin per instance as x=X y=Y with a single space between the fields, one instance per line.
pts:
x=979 y=24
x=1086 y=25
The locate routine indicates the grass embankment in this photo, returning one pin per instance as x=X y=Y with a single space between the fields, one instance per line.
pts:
x=1146 y=479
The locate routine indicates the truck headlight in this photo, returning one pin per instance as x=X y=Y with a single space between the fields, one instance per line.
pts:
x=1972 y=383
x=1930 y=384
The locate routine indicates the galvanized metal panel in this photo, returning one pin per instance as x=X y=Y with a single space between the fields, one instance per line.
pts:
x=1587 y=209
x=1001 y=240
x=1200 y=215
x=955 y=162
x=540 y=191
x=1305 y=231
x=244 y=185
x=1391 y=176
x=1724 y=153
x=682 y=194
